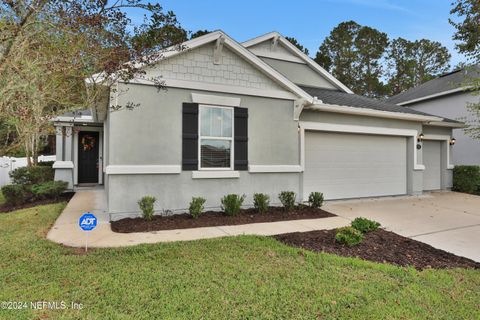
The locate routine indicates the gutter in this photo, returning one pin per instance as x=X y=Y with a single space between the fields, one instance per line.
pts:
x=372 y=113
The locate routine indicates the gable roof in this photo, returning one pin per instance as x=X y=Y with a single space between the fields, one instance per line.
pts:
x=297 y=52
x=237 y=48
x=445 y=84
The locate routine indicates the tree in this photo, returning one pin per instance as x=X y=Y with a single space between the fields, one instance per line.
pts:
x=49 y=48
x=467 y=28
x=413 y=63
x=337 y=54
x=467 y=35
x=370 y=45
x=199 y=33
x=353 y=54
x=297 y=44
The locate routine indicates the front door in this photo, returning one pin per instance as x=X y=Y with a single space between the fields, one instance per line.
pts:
x=88 y=157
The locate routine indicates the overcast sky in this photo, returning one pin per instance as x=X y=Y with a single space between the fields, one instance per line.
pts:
x=311 y=21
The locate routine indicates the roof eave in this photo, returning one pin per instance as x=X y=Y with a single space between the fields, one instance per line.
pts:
x=372 y=113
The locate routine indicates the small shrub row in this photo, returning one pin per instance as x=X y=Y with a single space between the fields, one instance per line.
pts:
x=232 y=203
x=354 y=234
x=28 y=176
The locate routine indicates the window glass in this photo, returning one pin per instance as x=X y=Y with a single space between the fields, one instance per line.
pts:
x=216 y=122
x=215 y=153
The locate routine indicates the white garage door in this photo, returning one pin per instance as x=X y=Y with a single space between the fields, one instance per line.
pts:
x=353 y=165
x=432 y=162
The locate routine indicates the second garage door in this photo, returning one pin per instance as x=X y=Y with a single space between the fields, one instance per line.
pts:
x=353 y=165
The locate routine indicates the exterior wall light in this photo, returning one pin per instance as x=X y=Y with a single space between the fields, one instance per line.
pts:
x=452 y=141
x=420 y=137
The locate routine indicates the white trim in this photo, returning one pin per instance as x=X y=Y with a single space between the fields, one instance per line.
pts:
x=62 y=165
x=447 y=140
x=431 y=96
x=274 y=168
x=200 y=137
x=218 y=174
x=278 y=56
x=372 y=112
x=143 y=169
x=204 y=86
x=216 y=100
x=446 y=124
x=342 y=128
x=298 y=53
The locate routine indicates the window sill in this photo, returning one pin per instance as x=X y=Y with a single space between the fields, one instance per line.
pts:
x=215 y=174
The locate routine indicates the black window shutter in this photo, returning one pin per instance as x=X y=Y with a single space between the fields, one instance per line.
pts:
x=190 y=136
x=241 y=138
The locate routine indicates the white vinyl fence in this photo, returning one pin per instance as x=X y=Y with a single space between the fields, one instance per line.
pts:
x=8 y=164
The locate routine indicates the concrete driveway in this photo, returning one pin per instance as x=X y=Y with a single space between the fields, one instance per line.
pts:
x=446 y=220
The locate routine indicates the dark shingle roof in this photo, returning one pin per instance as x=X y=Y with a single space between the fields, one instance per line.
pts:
x=335 y=97
x=446 y=82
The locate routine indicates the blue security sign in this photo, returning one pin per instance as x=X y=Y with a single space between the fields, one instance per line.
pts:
x=87 y=221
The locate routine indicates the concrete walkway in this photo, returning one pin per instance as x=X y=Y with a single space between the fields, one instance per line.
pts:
x=66 y=230
x=446 y=220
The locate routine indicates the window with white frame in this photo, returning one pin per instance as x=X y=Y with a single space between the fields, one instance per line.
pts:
x=215 y=138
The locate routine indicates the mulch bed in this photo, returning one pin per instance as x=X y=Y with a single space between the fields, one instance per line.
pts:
x=380 y=246
x=212 y=219
x=66 y=196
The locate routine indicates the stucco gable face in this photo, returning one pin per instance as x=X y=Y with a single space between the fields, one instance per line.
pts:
x=197 y=65
x=268 y=50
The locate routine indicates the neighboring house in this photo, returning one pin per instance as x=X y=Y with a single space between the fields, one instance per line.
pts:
x=260 y=116
x=448 y=96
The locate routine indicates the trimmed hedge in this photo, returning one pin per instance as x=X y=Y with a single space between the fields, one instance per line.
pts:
x=49 y=190
x=32 y=175
x=14 y=194
x=466 y=179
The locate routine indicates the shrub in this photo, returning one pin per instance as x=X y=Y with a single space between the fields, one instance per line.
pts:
x=287 y=198
x=349 y=236
x=365 y=225
x=466 y=179
x=231 y=204
x=32 y=175
x=146 y=205
x=261 y=201
x=315 y=199
x=196 y=206
x=49 y=190
x=45 y=163
x=14 y=194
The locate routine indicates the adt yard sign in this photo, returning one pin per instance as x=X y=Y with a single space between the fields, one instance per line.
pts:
x=87 y=222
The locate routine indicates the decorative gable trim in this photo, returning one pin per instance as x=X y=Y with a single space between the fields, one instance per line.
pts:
x=299 y=54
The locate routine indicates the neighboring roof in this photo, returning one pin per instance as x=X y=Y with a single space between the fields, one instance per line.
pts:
x=339 y=98
x=445 y=84
x=293 y=49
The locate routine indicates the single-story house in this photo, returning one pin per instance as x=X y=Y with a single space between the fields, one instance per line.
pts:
x=258 y=116
x=448 y=96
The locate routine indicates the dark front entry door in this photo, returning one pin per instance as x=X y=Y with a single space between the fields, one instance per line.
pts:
x=88 y=157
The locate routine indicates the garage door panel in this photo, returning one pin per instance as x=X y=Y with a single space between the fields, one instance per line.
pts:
x=351 y=166
x=432 y=162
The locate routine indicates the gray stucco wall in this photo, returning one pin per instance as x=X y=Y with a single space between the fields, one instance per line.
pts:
x=151 y=134
x=466 y=150
x=299 y=73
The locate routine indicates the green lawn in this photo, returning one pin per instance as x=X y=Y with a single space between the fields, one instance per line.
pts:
x=243 y=277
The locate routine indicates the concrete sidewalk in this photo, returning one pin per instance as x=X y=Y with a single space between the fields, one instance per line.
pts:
x=66 y=230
